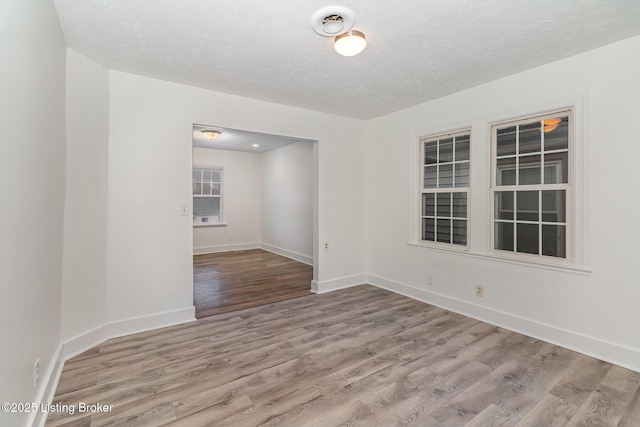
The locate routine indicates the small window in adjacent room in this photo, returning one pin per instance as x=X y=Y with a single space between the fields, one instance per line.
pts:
x=207 y=196
x=531 y=186
x=444 y=188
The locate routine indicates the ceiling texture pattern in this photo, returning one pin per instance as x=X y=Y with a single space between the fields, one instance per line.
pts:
x=418 y=50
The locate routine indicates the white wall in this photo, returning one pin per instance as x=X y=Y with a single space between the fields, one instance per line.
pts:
x=149 y=244
x=268 y=201
x=242 y=201
x=287 y=200
x=85 y=236
x=595 y=312
x=32 y=180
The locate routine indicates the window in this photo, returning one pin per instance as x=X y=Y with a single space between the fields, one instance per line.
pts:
x=207 y=196
x=445 y=188
x=531 y=186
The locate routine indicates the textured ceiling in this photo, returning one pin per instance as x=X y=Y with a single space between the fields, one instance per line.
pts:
x=417 y=50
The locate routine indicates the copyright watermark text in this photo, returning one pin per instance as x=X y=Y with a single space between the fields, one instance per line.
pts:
x=80 y=407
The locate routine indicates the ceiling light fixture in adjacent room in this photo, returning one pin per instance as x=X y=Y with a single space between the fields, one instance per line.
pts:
x=256 y=145
x=210 y=134
x=350 y=43
x=551 y=124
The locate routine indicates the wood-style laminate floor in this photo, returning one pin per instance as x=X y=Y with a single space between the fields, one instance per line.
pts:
x=356 y=357
x=232 y=281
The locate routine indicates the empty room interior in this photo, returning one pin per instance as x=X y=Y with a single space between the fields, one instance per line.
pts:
x=431 y=221
x=252 y=219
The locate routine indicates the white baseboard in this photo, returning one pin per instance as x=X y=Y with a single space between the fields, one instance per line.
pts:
x=305 y=259
x=225 y=248
x=339 y=283
x=154 y=321
x=84 y=342
x=611 y=352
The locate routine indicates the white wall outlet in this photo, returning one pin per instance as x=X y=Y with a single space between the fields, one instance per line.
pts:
x=479 y=291
x=430 y=280
x=184 y=210
x=36 y=372
x=230 y=238
x=326 y=246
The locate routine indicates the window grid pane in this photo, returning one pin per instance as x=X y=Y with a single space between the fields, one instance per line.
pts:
x=207 y=196
x=446 y=162
x=532 y=154
x=428 y=229
x=443 y=227
x=444 y=217
x=459 y=232
x=445 y=176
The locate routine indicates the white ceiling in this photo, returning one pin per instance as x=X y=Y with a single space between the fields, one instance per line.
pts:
x=241 y=140
x=417 y=50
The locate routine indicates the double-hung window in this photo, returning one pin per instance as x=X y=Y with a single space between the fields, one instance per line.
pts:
x=207 y=196
x=531 y=187
x=445 y=188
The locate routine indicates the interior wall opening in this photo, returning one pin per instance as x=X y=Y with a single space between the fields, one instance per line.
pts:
x=254 y=206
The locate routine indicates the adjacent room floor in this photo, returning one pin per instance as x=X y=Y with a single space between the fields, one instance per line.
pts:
x=231 y=281
x=359 y=356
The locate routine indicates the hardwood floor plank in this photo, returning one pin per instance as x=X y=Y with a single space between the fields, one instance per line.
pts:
x=605 y=406
x=497 y=387
x=231 y=281
x=551 y=411
x=360 y=356
x=493 y=416
x=580 y=382
x=608 y=403
x=631 y=416
x=213 y=412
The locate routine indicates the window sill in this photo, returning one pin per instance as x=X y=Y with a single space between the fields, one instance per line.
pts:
x=567 y=268
x=215 y=224
x=442 y=247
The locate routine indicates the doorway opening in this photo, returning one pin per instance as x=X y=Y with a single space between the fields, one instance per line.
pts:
x=254 y=218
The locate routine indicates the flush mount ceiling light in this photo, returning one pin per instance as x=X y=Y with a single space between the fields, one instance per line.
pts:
x=350 y=43
x=255 y=145
x=551 y=124
x=210 y=134
x=337 y=21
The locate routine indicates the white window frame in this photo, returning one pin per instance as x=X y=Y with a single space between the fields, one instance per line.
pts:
x=220 y=221
x=569 y=187
x=437 y=190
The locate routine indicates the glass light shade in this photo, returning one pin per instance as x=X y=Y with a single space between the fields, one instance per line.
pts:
x=211 y=134
x=551 y=124
x=350 y=43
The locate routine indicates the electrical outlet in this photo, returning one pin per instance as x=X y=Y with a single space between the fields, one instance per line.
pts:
x=36 y=372
x=326 y=246
x=479 y=291
x=430 y=280
x=230 y=238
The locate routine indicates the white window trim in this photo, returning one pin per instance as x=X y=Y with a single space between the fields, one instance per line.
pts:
x=222 y=222
x=578 y=102
x=418 y=162
x=569 y=187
